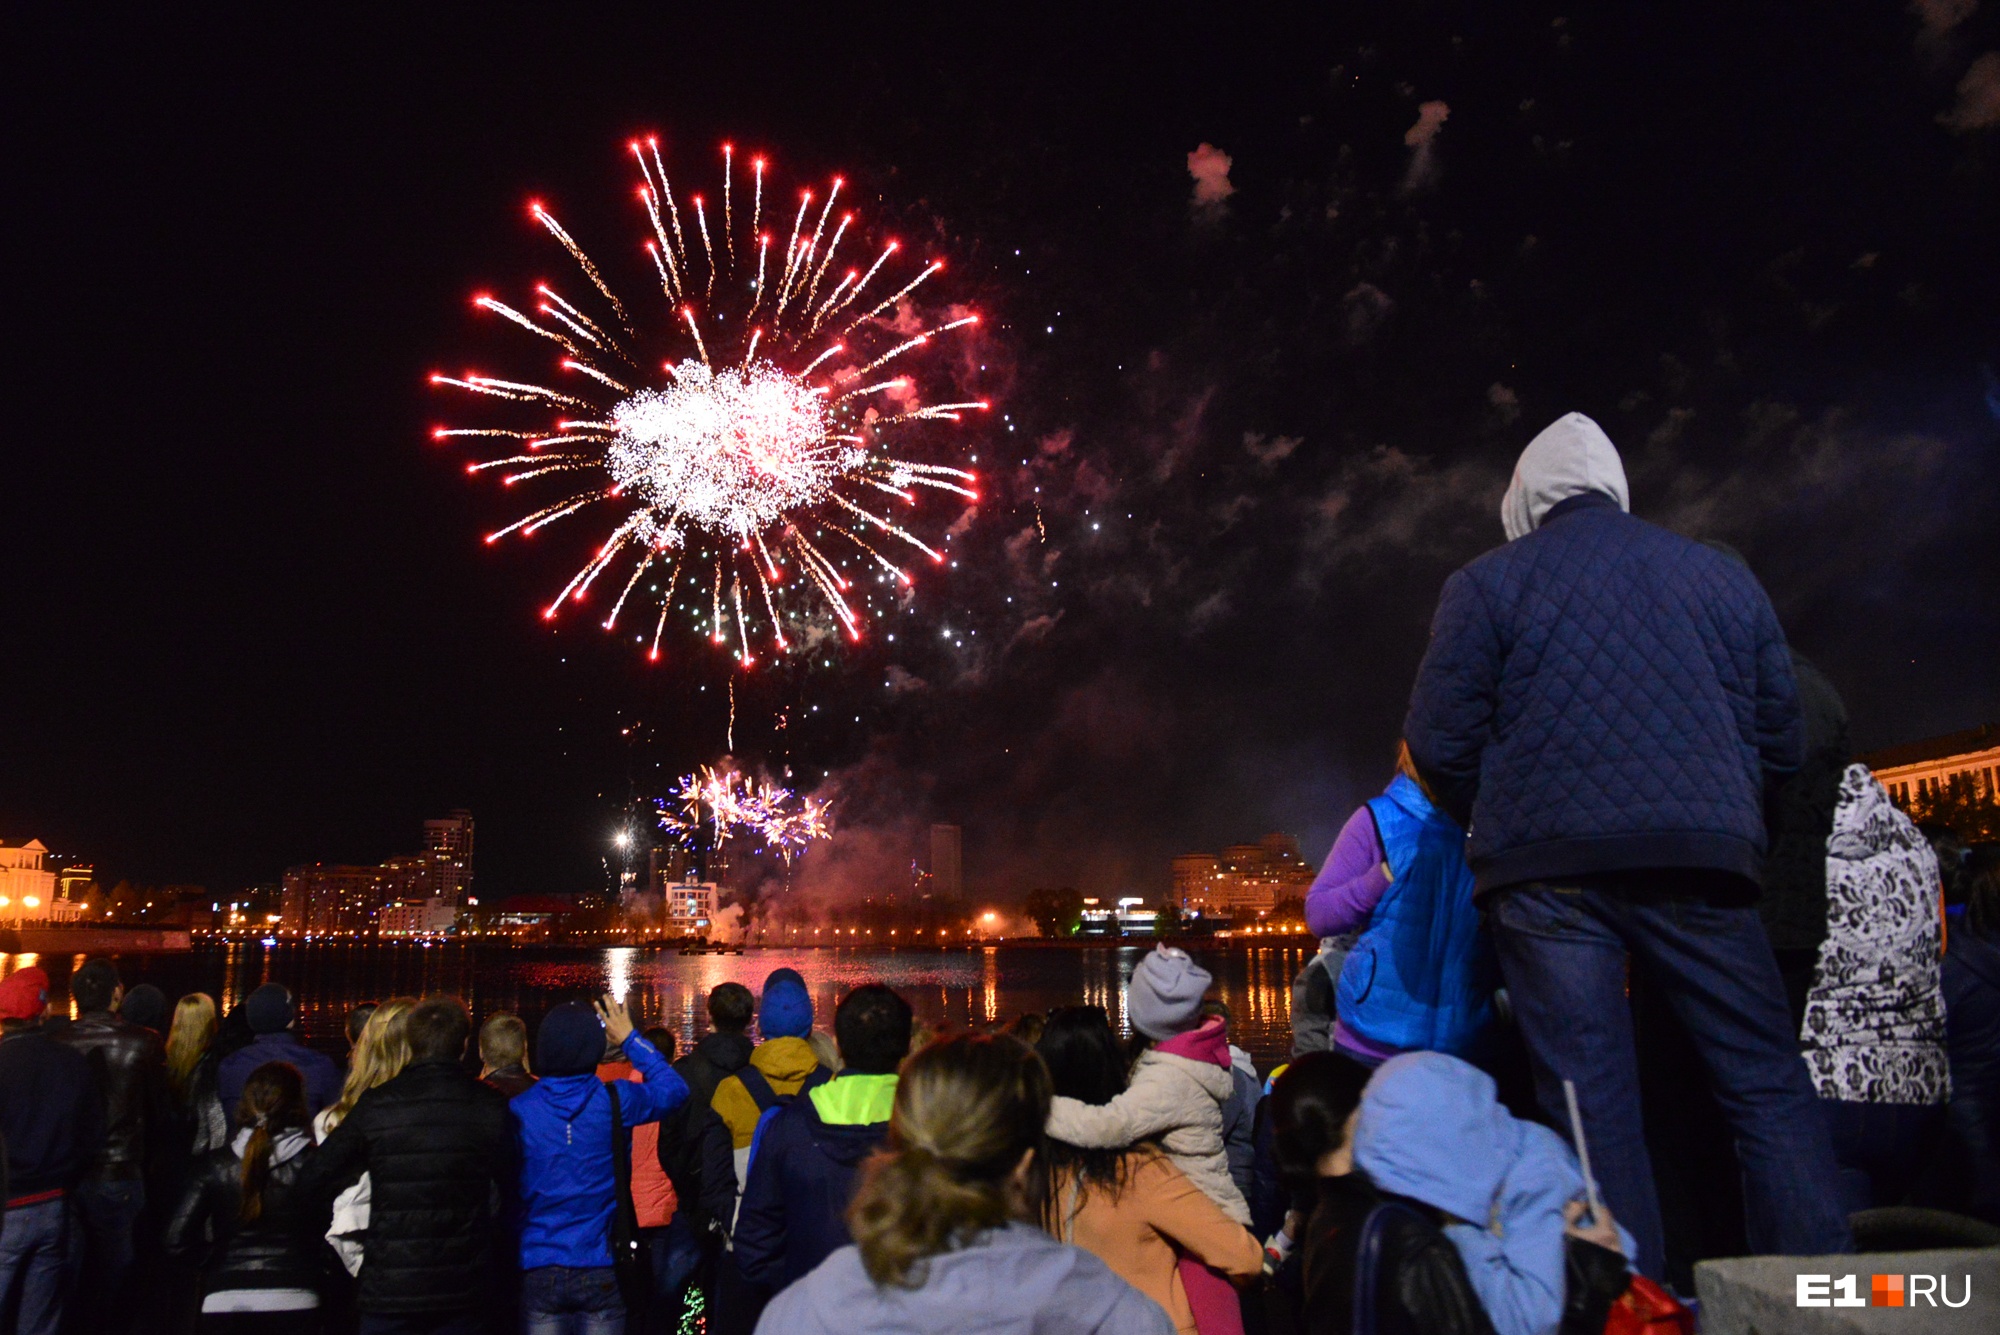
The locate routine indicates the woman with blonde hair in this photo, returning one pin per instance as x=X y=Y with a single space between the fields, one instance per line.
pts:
x=941 y=1221
x=191 y=1064
x=379 y=1055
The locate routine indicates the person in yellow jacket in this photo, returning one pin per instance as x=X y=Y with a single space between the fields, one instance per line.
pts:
x=782 y=1065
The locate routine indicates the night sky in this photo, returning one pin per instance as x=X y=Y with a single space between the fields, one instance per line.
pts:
x=246 y=620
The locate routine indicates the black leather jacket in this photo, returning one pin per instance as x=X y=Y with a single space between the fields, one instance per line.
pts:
x=1421 y=1287
x=281 y=1249
x=132 y=1066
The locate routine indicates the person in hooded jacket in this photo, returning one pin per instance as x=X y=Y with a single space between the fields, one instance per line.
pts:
x=1603 y=705
x=941 y=1220
x=779 y=1067
x=1874 y=1033
x=802 y=1167
x=1130 y=1208
x=242 y=1220
x=569 y=1178
x=1508 y=1194
x=1181 y=1083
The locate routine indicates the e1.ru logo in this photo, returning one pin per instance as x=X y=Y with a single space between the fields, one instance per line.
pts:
x=1883 y=1291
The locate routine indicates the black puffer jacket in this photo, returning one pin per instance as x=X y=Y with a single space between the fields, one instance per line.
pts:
x=440 y=1153
x=281 y=1249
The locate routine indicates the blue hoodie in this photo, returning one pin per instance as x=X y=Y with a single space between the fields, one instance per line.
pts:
x=1430 y=1129
x=1015 y=1280
x=568 y=1184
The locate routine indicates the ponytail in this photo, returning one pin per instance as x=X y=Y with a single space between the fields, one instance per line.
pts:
x=968 y=1111
x=274 y=1100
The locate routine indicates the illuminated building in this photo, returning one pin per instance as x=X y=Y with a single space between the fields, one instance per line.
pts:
x=26 y=890
x=75 y=882
x=325 y=899
x=419 y=918
x=1921 y=772
x=1130 y=917
x=1244 y=881
x=690 y=908
x=947 y=866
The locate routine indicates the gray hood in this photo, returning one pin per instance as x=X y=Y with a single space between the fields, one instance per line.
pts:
x=1570 y=457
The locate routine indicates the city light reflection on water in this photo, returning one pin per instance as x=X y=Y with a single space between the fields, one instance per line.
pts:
x=948 y=989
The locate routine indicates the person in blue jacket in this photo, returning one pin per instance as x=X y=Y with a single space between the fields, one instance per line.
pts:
x=569 y=1183
x=803 y=1162
x=1602 y=706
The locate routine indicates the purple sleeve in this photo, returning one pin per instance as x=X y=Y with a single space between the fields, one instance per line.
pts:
x=1351 y=882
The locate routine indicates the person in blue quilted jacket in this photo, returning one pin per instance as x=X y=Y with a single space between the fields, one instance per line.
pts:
x=1602 y=705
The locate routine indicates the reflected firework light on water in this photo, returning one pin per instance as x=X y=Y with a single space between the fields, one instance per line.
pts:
x=734 y=804
x=749 y=473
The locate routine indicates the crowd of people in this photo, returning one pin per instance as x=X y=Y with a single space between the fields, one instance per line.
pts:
x=1628 y=965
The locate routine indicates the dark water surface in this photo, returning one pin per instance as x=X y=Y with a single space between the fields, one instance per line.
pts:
x=947 y=988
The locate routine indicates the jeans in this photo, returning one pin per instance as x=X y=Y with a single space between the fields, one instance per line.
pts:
x=1879 y=1147
x=1563 y=951
x=673 y=1252
x=34 y=1255
x=107 y=1216
x=561 y=1300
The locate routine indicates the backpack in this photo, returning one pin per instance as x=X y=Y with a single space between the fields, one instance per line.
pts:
x=770 y=1103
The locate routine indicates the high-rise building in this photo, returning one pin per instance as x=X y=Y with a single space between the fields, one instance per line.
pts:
x=328 y=899
x=323 y=899
x=1244 y=881
x=947 y=866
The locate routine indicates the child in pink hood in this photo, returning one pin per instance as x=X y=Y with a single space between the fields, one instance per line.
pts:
x=1178 y=1086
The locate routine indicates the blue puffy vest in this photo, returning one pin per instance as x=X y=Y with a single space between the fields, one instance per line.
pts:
x=1421 y=977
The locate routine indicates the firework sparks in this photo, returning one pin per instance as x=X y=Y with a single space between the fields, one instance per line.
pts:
x=733 y=804
x=757 y=449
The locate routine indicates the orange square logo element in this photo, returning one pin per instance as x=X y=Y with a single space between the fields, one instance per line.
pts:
x=1886 y=1291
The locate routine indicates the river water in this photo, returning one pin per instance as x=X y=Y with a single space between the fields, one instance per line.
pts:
x=948 y=988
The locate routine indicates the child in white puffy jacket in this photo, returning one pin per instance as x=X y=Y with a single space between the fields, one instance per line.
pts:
x=1178 y=1085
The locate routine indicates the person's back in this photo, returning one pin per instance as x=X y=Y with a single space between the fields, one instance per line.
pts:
x=130 y=1063
x=1607 y=703
x=269 y=1012
x=51 y=1129
x=439 y=1150
x=939 y=1244
x=715 y=1057
x=242 y=1219
x=503 y=1055
x=1874 y=1032
x=1971 y=984
x=802 y=1170
x=569 y=1175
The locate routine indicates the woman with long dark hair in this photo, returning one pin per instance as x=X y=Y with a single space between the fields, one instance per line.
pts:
x=1131 y=1208
x=942 y=1238
x=259 y=1253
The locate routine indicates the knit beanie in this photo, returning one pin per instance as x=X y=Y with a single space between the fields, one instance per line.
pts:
x=144 y=1005
x=781 y=974
x=570 y=1040
x=1164 y=997
x=24 y=994
x=269 y=1009
x=786 y=1010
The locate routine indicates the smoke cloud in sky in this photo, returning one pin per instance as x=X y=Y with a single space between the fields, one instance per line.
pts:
x=1978 y=97
x=1419 y=138
x=1209 y=166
